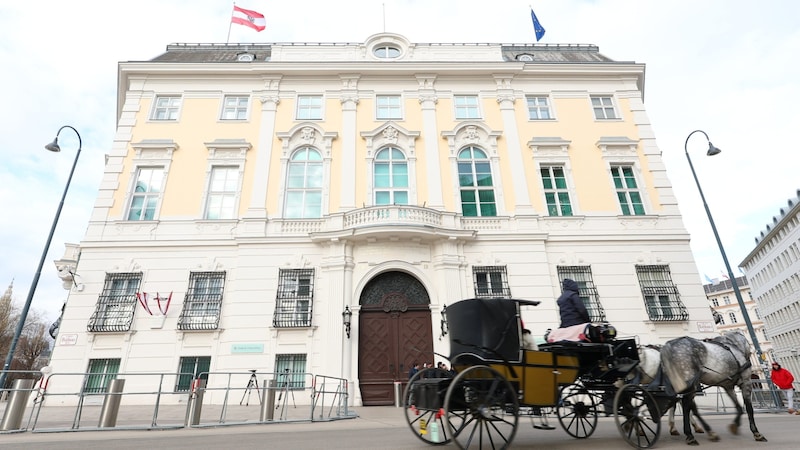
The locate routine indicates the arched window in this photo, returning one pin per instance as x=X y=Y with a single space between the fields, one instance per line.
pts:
x=475 y=182
x=391 y=177
x=304 y=185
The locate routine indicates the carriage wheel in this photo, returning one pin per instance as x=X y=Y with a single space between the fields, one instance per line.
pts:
x=482 y=409
x=637 y=416
x=577 y=411
x=420 y=418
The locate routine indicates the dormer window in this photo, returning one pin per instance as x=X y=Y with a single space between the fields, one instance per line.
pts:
x=245 y=57
x=386 y=51
x=525 y=57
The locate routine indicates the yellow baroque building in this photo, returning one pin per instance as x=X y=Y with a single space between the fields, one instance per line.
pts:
x=257 y=195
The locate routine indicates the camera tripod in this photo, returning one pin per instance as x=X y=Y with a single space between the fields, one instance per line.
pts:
x=251 y=384
x=286 y=387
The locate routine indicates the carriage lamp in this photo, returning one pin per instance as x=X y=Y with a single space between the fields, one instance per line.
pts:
x=443 y=324
x=53 y=147
x=347 y=315
x=712 y=150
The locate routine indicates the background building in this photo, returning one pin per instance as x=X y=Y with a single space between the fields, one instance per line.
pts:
x=725 y=307
x=773 y=272
x=255 y=194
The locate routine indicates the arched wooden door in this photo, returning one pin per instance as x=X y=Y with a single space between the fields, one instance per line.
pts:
x=394 y=331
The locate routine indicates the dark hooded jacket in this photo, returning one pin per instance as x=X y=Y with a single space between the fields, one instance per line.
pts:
x=570 y=305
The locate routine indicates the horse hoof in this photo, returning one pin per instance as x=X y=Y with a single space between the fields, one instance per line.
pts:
x=760 y=438
x=699 y=431
x=692 y=442
x=734 y=429
x=713 y=437
x=674 y=432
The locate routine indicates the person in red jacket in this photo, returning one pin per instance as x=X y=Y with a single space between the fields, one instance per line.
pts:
x=784 y=379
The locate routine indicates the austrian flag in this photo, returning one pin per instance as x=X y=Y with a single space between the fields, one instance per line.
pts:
x=248 y=18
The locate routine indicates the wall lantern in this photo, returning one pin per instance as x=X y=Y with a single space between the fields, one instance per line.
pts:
x=347 y=315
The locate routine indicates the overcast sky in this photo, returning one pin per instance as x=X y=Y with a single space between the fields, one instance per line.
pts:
x=728 y=67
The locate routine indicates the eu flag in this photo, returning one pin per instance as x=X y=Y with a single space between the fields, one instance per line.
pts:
x=537 y=27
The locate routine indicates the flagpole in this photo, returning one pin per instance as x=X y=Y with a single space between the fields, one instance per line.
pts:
x=230 y=23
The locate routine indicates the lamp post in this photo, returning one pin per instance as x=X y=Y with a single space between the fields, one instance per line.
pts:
x=53 y=147
x=711 y=152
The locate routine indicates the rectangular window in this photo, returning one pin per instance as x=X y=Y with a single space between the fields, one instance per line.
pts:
x=630 y=200
x=99 y=373
x=294 y=300
x=586 y=289
x=146 y=193
x=388 y=107
x=539 y=108
x=234 y=107
x=556 y=192
x=166 y=108
x=290 y=371
x=661 y=296
x=203 y=301
x=189 y=369
x=309 y=107
x=491 y=282
x=467 y=107
x=223 y=191
x=603 y=108
x=116 y=304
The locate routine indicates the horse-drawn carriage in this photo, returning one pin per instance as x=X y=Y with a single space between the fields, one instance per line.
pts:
x=496 y=381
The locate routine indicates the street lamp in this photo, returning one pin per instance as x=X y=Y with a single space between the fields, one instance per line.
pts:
x=711 y=152
x=53 y=147
x=347 y=316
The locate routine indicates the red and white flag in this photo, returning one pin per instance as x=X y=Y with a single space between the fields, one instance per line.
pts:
x=248 y=18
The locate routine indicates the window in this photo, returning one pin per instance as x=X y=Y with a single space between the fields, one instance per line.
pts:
x=388 y=107
x=715 y=301
x=166 y=108
x=391 y=177
x=146 y=193
x=603 y=108
x=556 y=193
x=294 y=300
x=467 y=107
x=538 y=108
x=661 y=296
x=304 y=186
x=203 y=301
x=757 y=313
x=630 y=200
x=475 y=181
x=491 y=282
x=732 y=316
x=116 y=304
x=726 y=299
x=721 y=319
x=235 y=107
x=587 y=290
x=386 y=51
x=222 y=193
x=291 y=371
x=309 y=107
x=99 y=373
x=189 y=369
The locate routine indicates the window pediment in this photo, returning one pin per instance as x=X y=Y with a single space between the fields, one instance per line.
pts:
x=617 y=147
x=392 y=134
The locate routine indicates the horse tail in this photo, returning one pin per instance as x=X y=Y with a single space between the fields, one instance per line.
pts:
x=671 y=362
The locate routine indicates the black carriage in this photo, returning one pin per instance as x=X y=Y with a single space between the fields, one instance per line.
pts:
x=496 y=380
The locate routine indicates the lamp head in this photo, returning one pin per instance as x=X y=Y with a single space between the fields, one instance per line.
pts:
x=712 y=150
x=53 y=146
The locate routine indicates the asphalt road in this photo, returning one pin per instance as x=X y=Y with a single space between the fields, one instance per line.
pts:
x=386 y=430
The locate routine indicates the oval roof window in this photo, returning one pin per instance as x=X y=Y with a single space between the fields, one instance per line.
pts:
x=525 y=57
x=385 y=51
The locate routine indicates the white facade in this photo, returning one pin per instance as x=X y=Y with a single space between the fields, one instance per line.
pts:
x=637 y=267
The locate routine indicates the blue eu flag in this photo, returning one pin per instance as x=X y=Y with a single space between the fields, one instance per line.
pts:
x=537 y=27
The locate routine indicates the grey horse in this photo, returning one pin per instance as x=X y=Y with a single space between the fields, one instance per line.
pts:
x=723 y=361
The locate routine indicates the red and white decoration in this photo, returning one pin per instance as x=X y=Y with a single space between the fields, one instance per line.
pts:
x=161 y=303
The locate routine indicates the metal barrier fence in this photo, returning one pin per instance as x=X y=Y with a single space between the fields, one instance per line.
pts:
x=154 y=401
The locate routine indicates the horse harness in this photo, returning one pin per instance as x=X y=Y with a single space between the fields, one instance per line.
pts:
x=741 y=367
